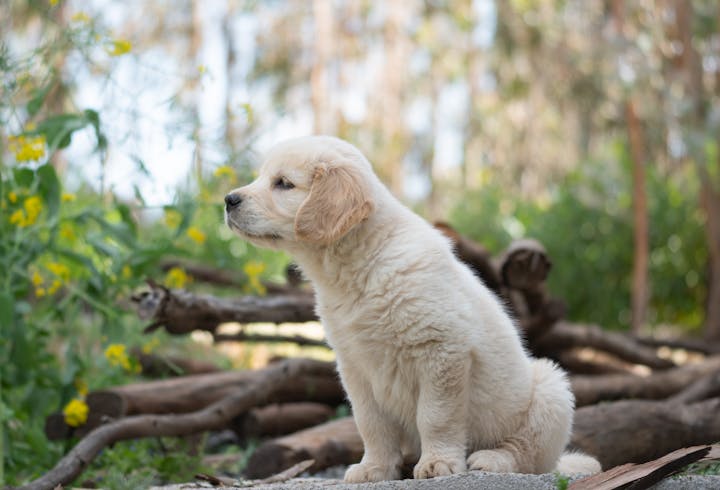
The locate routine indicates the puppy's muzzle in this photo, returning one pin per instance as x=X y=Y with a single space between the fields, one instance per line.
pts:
x=232 y=201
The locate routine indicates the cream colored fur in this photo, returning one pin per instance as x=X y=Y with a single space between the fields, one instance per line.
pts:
x=431 y=361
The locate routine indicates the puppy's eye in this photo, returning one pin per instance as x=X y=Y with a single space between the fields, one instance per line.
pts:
x=282 y=183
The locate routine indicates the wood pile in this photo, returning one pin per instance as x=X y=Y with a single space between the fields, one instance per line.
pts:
x=634 y=405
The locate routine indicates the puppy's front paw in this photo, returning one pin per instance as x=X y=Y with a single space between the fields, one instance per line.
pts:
x=493 y=461
x=438 y=466
x=365 y=472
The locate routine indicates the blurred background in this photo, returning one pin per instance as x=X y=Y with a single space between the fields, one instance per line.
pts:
x=592 y=126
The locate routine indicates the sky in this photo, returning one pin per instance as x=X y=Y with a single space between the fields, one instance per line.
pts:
x=146 y=129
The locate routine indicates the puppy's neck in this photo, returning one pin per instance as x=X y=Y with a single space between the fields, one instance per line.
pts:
x=343 y=264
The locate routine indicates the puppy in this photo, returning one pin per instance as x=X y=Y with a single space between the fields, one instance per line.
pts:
x=432 y=363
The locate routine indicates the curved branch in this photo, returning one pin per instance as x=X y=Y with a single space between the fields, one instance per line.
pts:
x=214 y=416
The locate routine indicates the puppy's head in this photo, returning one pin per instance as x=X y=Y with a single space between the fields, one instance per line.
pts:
x=310 y=190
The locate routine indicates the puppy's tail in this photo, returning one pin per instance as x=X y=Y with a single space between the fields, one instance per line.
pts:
x=577 y=463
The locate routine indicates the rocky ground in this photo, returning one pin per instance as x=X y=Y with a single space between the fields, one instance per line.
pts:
x=467 y=481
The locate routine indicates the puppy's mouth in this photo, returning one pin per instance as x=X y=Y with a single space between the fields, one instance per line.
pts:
x=235 y=226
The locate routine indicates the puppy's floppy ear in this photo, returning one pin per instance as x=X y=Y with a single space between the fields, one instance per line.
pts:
x=339 y=199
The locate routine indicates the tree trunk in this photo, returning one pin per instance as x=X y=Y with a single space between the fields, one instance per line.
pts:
x=689 y=63
x=711 y=204
x=391 y=93
x=640 y=283
x=320 y=89
x=640 y=289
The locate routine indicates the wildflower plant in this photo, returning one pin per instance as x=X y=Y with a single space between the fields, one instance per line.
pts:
x=69 y=257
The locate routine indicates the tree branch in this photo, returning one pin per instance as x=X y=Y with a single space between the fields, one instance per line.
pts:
x=214 y=416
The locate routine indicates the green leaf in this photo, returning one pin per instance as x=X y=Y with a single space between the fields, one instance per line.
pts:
x=120 y=231
x=127 y=218
x=49 y=188
x=24 y=176
x=7 y=311
x=37 y=100
x=58 y=129
x=100 y=246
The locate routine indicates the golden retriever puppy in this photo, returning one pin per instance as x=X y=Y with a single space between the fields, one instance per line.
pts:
x=431 y=361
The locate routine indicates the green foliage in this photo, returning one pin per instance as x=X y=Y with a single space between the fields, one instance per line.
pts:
x=561 y=481
x=143 y=463
x=70 y=261
x=587 y=230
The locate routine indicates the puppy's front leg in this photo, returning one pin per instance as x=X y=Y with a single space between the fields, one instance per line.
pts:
x=381 y=435
x=442 y=415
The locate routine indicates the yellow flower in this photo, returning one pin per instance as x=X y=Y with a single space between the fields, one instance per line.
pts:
x=68 y=197
x=196 y=235
x=224 y=171
x=67 y=232
x=18 y=218
x=27 y=148
x=32 y=206
x=201 y=69
x=54 y=2
x=117 y=356
x=60 y=270
x=148 y=347
x=80 y=17
x=76 y=412
x=12 y=197
x=37 y=278
x=126 y=272
x=253 y=269
x=81 y=386
x=119 y=47
x=172 y=218
x=40 y=292
x=53 y=288
x=176 y=278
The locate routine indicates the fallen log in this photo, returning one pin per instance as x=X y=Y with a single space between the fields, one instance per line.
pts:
x=518 y=276
x=280 y=419
x=249 y=337
x=269 y=381
x=223 y=277
x=639 y=430
x=566 y=335
x=474 y=255
x=334 y=443
x=694 y=345
x=589 y=390
x=190 y=393
x=154 y=365
x=181 y=312
x=579 y=361
x=614 y=432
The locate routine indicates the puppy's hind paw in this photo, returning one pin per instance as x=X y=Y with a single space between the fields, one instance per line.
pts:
x=432 y=467
x=366 y=472
x=493 y=461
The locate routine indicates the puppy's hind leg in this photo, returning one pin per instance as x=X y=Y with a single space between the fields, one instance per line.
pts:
x=538 y=443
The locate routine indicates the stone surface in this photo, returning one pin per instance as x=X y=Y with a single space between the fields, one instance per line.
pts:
x=466 y=481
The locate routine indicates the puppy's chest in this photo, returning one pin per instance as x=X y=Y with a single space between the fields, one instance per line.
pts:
x=391 y=374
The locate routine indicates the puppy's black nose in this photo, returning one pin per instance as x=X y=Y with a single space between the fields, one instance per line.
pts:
x=232 y=200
